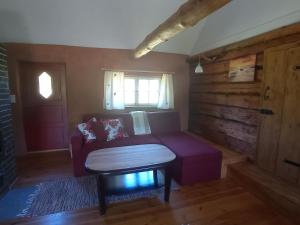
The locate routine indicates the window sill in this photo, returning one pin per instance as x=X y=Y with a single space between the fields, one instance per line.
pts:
x=141 y=106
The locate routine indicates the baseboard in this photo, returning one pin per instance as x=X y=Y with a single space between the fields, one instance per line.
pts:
x=50 y=150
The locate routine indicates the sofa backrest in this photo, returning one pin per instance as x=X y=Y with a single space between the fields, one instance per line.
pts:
x=160 y=122
x=126 y=117
x=164 y=122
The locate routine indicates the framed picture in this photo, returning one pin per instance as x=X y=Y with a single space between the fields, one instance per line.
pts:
x=242 y=69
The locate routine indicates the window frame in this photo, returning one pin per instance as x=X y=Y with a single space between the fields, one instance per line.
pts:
x=136 y=95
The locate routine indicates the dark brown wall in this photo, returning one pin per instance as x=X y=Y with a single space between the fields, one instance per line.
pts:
x=7 y=147
x=84 y=77
x=227 y=112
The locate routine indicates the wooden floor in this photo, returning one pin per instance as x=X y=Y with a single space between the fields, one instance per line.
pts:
x=38 y=167
x=221 y=202
x=281 y=194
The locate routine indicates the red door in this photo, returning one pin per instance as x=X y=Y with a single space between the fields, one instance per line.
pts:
x=44 y=105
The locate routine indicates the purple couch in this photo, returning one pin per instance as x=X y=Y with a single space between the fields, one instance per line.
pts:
x=195 y=161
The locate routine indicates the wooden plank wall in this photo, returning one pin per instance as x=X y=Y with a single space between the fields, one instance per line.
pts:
x=226 y=112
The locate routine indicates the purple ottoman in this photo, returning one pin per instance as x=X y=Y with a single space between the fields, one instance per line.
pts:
x=195 y=161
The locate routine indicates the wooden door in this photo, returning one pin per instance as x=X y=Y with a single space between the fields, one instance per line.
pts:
x=273 y=93
x=289 y=143
x=44 y=105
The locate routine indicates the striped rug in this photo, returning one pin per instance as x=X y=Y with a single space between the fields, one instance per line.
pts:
x=69 y=194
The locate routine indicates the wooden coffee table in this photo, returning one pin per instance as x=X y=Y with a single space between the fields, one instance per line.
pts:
x=129 y=159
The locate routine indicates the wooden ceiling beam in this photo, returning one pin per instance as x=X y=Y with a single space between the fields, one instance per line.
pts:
x=188 y=15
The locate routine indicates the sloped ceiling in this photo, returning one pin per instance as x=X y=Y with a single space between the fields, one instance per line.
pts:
x=242 y=19
x=124 y=24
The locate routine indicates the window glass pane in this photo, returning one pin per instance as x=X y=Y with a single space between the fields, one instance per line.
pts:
x=129 y=97
x=129 y=91
x=143 y=97
x=45 y=85
x=145 y=93
x=154 y=85
x=143 y=85
x=153 y=97
x=154 y=91
x=129 y=84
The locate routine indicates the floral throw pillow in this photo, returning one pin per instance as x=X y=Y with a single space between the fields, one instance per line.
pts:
x=114 y=129
x=87 y=130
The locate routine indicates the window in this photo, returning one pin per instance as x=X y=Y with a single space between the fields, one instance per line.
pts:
x=141 y=91
x=45 y=85
x=122 y=91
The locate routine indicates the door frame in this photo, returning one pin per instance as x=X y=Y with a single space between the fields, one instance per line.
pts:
x=19 y=107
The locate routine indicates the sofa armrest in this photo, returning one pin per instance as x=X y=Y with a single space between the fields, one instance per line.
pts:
x=77 y=141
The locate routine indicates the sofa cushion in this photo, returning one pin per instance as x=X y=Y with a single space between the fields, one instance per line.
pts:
x=133 y=140
x=195 y=162
x=114 y=129
x=164 y=122
x=187 y=147
x=87 y=130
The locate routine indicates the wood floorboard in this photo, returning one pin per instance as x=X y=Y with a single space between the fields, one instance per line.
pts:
x=38 y=167
x=271 y=189
x=222 y=202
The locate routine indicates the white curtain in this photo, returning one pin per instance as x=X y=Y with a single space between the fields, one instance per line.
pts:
x=113 y=90
x=166 y=93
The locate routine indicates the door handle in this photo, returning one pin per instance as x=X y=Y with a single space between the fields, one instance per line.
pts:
x=297 y=67
x=266 y=111
x=266 y=93
x=291 y=163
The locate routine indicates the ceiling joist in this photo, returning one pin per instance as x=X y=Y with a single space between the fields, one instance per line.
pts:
x=188 y=15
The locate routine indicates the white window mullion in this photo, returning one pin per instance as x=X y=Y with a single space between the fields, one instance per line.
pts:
x=149 y=87
x=136 y=91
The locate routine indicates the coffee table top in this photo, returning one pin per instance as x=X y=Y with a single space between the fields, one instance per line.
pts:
x=128 y=157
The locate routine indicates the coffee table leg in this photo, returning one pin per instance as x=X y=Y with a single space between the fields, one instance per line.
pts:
x=101 y=194
x=167 y=184
x=155 y=179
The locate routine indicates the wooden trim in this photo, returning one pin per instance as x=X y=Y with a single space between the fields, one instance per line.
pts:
x=47 y=151
x=137 y=71
x=140 y=75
